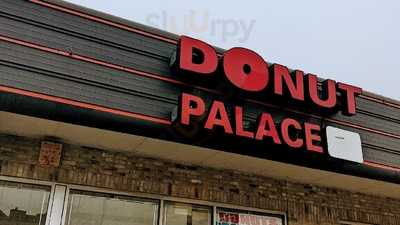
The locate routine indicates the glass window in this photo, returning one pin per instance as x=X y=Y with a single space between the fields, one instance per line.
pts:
x=23 y=204
x=236 y=217
x=353 y=223
x=86 y=208
x=186 y=214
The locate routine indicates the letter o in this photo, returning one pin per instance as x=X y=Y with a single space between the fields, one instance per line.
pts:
x=245 y=69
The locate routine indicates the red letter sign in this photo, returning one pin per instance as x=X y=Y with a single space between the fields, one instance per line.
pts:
x=190 y=105
x=245 y=69
x=285 y=125
x=197 y=56
x=267 y=121
x=309 y=128
x=328 y=88
x=348 y=95
x=218 y=116
x=239 y=124
x=282 y=75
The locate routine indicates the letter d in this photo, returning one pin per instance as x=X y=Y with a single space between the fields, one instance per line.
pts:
x=196 y=56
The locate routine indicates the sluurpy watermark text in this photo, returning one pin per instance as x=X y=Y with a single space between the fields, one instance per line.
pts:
x=203 y=24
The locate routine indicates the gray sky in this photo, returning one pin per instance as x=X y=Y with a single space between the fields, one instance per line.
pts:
x=352 y=41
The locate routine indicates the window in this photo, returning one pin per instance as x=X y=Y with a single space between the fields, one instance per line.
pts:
x=353 y=223
x=238 y=217
x=86 y=208
x=23 y=204
x=186 y=214
x=28 y=204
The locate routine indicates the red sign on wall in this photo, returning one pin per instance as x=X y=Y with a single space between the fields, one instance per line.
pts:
x=191 y=106
x=229 y=218
x=50 y=154
x=247 y=71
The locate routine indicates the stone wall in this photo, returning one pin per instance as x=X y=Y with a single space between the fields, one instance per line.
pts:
x=305 y=204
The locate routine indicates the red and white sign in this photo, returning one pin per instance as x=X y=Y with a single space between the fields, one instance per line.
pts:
x=229 y=218
x=248 y=72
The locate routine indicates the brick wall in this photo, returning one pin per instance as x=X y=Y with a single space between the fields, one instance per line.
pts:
x=305 y=204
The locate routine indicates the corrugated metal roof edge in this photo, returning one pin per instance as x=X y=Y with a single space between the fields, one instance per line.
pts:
x=368 y=95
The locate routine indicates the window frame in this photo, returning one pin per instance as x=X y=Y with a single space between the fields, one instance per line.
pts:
x=162 y=198
x=50 y=185
x=59 y=195
x=99 y=194
x=353 y=223
x=165 y=202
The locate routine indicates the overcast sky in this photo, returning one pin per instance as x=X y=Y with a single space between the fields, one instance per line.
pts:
x=352 y=41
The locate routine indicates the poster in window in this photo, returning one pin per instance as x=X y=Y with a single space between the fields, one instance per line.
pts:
x=230 y=218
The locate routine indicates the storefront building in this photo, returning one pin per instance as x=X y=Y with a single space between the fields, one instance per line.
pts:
x=107 y=122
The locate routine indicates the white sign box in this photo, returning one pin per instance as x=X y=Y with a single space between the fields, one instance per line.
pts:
x=343 y=144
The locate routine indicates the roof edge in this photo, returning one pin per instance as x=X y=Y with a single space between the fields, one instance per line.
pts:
x=166 y=34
